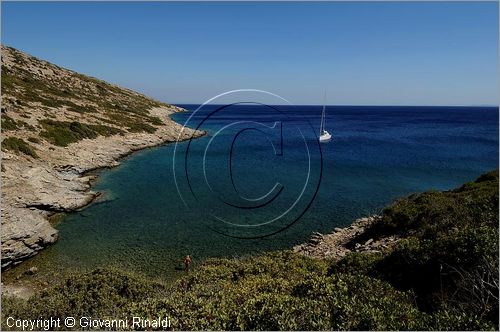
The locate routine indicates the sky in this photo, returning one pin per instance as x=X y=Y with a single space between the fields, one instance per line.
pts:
x=386 y=53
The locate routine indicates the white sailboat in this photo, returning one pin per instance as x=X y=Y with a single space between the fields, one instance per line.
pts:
x=324 y=136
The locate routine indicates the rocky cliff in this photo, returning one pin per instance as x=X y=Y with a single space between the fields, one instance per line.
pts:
x=57 y=125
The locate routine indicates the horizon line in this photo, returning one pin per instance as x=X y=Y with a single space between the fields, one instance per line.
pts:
x=347 y=105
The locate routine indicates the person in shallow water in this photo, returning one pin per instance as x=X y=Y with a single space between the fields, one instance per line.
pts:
x=187 y=262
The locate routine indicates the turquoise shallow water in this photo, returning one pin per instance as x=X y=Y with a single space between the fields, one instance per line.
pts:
x=377 y=155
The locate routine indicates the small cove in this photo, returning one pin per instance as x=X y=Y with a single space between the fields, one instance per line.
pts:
x=377 y=155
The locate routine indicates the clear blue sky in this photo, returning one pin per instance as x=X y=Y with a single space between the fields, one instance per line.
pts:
x=362 y=53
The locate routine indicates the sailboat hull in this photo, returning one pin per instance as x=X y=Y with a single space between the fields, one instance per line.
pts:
x=326 y=137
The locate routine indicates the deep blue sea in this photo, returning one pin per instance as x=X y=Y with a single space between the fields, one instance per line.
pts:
x=261 y=181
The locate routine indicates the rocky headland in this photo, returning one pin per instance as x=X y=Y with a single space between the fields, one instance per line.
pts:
x=342 y=241
x=57 y=125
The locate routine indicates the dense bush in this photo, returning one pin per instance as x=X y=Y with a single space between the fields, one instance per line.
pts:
x=134 y=124
x=450 y=259
x=8 y=123
x=100 y=293
x=18 y=145
x=432 y=213
x=274 y=291
x=62 y=133
x=138 y=127
x=303 y=302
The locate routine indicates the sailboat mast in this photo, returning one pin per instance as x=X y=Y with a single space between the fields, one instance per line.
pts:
x=322 y=125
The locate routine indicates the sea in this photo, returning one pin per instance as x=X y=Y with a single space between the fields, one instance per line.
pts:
x=259 y=180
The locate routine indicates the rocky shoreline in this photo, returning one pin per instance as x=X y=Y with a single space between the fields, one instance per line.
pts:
x=342 y=241
x=59 y=181
x=334 y=245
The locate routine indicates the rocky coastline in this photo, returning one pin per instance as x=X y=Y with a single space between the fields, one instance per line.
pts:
x=60 y=181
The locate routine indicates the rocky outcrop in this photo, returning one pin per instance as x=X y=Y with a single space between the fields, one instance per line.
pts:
x=24 y=233
x=345 y=240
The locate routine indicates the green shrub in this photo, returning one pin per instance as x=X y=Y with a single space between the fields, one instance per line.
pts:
x=8 y=123
x=357 y=263
x=452 y=234
x=244 y=294
x=63 y=133
x=49 y=102
x=139 y=127
x=154 y=120
x=100 y=293
x=431 y=213
x=81 y=109
x=18 y=145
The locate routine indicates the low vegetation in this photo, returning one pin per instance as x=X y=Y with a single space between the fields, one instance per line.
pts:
x=8 y=123
x=62 y=133
x=56 y=100
x=33 y=140
x=451 y=255
x=443 y=275
x=18 y=145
